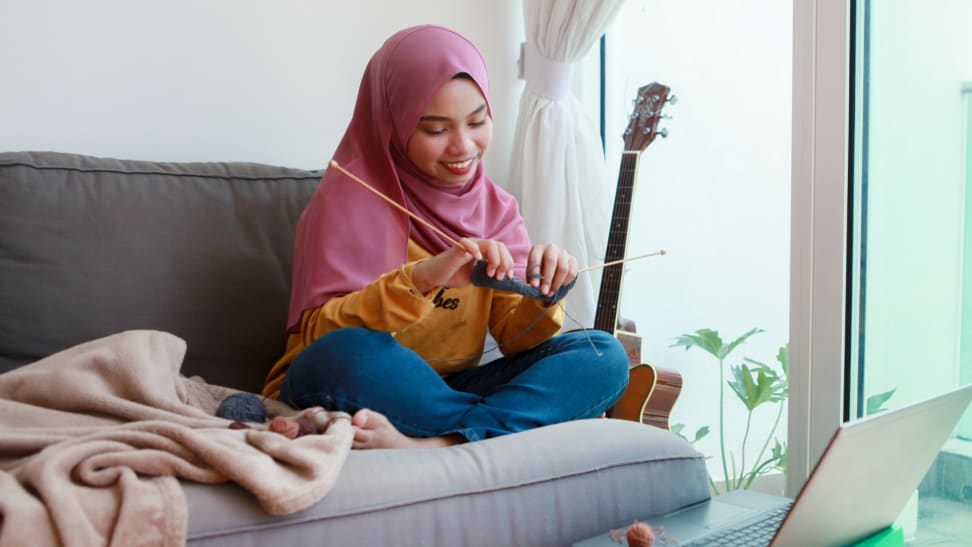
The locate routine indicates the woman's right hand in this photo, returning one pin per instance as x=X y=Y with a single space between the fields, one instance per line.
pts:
x=452 y=268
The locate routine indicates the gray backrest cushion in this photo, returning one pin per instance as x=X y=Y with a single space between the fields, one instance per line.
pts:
x=94 y=246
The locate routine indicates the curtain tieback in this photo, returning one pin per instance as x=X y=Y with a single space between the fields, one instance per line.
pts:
x=544 y=76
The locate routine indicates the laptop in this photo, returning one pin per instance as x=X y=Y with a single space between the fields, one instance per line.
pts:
x=858 y=488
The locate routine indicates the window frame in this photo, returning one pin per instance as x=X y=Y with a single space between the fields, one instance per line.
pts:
x=820 y=191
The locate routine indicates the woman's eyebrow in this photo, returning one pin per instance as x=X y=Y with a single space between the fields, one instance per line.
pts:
x=434 y=118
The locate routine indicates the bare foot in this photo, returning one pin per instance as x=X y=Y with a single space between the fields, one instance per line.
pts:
x=306 y=422
x=373 y=430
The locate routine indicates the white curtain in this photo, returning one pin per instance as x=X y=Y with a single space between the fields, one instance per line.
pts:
x=557 y=170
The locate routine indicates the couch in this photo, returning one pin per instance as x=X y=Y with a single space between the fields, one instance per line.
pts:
x=93 y=246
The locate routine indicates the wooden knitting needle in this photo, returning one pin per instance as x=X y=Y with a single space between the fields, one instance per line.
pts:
x=621 y=261
x=446 y=236
x=392 y=202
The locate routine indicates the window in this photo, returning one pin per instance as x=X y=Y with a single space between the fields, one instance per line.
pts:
x=910 y=296
x=871 y=179
x=840 y=220
x=715 y=195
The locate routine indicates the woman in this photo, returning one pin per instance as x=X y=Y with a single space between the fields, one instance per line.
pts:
x=384 y=322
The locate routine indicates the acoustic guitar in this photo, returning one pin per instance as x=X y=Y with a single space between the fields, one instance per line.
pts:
x=652 y=391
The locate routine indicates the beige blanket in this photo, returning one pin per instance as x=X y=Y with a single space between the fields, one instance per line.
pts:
x=93 y=439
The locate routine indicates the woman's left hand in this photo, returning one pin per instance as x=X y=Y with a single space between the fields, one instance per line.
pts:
x=556 y=266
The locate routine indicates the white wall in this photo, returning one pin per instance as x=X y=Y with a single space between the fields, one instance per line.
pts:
x=219 y=80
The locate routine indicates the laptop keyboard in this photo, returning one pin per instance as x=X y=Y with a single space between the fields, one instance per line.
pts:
x=755 y=534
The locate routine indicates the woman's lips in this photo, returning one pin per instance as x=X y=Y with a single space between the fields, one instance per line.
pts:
x=459 y=167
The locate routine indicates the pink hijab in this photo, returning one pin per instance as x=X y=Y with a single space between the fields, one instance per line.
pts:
x=347 y=237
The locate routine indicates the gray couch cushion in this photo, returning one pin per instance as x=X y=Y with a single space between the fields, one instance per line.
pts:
x=92 y=246
x=549 y=486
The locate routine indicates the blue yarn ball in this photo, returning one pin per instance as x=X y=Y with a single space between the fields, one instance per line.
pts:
x=242 y=407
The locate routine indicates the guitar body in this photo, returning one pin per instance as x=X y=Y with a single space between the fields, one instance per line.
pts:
x=646 y=384
x=625 y=333
x=652 y=391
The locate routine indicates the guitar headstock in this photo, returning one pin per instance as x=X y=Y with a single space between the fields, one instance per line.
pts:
x=643 y=126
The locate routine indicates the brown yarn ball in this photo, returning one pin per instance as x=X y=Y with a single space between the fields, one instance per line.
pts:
x=287 y=428
x=640 y=535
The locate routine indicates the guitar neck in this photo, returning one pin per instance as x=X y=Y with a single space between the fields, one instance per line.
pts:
x=606 y=315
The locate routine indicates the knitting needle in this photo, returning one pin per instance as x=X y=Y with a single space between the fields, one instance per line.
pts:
x=417 y=218
x=615 y=262
x=391 y=202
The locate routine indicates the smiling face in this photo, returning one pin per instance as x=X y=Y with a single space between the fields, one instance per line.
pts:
x=452 y=134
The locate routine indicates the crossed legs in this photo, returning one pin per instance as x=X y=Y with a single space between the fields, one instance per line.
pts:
x=397 y=400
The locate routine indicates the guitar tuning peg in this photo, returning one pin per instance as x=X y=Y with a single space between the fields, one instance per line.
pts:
x=663 y=132
x=672 y=99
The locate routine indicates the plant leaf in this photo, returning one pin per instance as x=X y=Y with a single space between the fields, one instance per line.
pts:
x=756 y=386
x=743 y=385
x=875 y=403
x=726 y=350
x=783 y=356
x=755 y=362
x=706 y=339
x=780 y=455
x=780 y=383
x=677 y=429
x=701 y=433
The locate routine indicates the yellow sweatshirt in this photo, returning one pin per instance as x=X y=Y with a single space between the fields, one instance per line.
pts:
x=446 y=327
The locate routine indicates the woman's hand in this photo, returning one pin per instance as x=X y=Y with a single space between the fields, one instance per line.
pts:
x=452 y=268
x=549 y=267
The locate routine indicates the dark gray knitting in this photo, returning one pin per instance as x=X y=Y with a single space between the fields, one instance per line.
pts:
x=480 y=279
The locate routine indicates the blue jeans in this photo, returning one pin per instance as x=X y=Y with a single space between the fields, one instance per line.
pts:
x=575 y=375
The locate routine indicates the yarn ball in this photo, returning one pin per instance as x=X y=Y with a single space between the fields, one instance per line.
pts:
x=640 y=535
x=242 y=407
x=287 y=428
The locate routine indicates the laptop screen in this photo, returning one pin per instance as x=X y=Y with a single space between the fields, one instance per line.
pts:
x=869 y=471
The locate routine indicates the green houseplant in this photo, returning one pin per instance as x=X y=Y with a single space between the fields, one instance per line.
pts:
x=755 y=384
